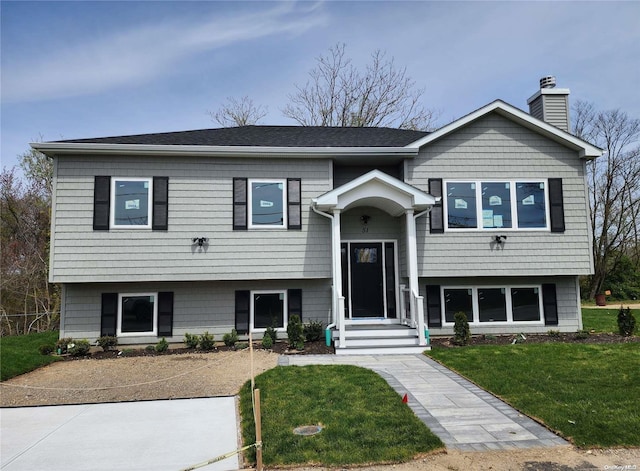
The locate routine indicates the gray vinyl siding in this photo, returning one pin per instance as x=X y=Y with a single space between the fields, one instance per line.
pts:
x=496 y=148
x=536 y=109
x=556 y=111
x=569 y=315
x=198 y=306
x=200 y=205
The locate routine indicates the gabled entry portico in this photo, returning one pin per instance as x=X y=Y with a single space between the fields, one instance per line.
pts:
x=373 y=293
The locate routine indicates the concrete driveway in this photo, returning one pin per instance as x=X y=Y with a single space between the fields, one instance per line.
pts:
x=129 y=436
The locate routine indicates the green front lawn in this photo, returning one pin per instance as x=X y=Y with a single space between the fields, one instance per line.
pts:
x=363 y=419
x=588 y=393
x=19 y=354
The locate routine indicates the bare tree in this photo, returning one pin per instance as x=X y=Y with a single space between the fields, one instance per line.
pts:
x=614 y=188
x=338 y=94
x=239 y=112
x=28 y=302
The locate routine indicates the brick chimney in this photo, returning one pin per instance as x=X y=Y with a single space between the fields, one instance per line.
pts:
x=551 y=104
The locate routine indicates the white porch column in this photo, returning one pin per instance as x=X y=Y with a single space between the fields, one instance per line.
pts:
x=338 y=298
x=412 y=267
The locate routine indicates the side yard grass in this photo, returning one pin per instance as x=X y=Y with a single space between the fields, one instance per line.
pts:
x=604 y=320
x=363 y=419
x=20 y=353
x=588 y=393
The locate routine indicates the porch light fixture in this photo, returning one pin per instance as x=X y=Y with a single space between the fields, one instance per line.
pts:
x=200 y=241
x=365 y=219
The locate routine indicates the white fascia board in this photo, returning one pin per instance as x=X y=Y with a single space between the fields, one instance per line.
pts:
x=585 y=150
x=53 y=148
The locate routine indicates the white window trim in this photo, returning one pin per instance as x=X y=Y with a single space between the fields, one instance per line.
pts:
x=514 y=205
x=154 y=332
x=476 y=305
x=285 y=309
x=112 y=211
x=250 y=182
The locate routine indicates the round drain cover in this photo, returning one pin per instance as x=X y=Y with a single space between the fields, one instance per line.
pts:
x=307 y=430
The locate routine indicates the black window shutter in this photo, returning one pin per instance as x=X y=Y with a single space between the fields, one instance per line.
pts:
x=294 y=203
x=101 y=201
x=434 y=310
x=109 y=314
x=160 y=203
x=556 y=205
x=436 y=215
x=550 y=304
x=165 y=314
x=239 y=204
x=294 y=302
x=242 y=311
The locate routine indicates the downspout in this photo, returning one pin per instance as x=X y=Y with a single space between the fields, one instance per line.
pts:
x=414 y=283
x=333 y=269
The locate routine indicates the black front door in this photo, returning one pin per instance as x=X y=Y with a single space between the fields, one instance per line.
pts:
x=367 y=282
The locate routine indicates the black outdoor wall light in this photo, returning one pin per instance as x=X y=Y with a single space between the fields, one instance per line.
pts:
x=200 y=241
x=499 y=239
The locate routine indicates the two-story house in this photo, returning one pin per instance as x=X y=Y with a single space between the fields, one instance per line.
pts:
x=381 y=234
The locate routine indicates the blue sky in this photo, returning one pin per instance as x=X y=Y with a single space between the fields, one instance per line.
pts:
x=87 y=69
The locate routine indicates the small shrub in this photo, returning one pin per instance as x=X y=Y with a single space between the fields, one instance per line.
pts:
x=295 y=331
x=313 y=331
x=207 y=342
x=127 y=352
x=553 y=333
x=46 y=349
x=149 y=348
x=461 y=331
x=271 y=332
x=230 y=339
x=191 y=340
x=79 y=348
x=107 y=342
x=267 y=341
x=300 y=345
x=582 y=334
x=241 y=345
x=162 y=346
x=62 y=344
x=626 y=322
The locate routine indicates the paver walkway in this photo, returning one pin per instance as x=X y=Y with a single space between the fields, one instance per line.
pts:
x=464 y=416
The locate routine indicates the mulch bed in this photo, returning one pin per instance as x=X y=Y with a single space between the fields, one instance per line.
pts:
x=282 y=348
x=599 y=338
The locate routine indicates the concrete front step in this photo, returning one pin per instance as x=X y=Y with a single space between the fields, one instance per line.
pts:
x=379 y=341
x=361 y=332
x=390 y=350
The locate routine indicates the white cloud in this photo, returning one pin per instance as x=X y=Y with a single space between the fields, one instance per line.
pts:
x=139 y=55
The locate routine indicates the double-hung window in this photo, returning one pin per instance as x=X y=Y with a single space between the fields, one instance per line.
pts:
x=267 y=203
x=131 y=206
x=137 y=314
x=130 y=203
x=480 y=205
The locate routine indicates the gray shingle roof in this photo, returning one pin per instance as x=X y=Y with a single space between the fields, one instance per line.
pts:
x=271 y=136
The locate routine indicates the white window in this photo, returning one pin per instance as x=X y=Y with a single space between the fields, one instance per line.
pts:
x=503 y=205
x=137 y=314
x=267 y=203
x=131 y=203
x=268 y=309
x=493 y=304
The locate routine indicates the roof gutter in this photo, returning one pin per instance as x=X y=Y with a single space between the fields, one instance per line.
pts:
x=56 y=148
